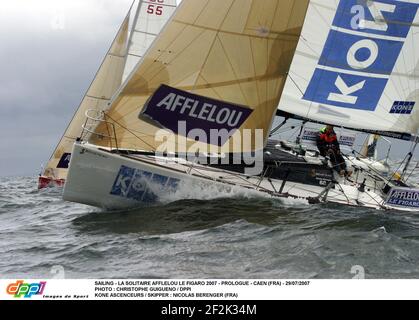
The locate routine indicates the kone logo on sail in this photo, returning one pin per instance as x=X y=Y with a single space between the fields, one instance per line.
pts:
x=360 y=53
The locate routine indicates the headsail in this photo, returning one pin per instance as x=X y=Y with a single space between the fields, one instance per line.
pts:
x=234 y=51
x=357 y=66
x=150 y=18
x=103 y=87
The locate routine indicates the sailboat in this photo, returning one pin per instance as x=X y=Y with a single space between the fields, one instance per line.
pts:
x=126 y=50
x=195 y=116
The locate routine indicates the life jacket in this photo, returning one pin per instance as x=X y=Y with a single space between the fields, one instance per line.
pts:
x=328 y=137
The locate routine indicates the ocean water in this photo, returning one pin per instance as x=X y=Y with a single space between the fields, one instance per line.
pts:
x=41 y=236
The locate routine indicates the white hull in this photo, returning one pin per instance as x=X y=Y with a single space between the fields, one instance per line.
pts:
x=111 y=181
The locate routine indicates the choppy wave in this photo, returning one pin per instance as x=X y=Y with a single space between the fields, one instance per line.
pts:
x=233 y=236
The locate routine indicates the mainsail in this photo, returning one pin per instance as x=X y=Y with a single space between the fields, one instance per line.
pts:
x=150 y=18
x=357 y=66
x=104 y=85
x=235 y=51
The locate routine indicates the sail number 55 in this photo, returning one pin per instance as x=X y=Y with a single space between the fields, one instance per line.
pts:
x=155 y=8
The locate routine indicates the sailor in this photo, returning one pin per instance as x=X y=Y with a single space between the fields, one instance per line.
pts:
x=328 y=145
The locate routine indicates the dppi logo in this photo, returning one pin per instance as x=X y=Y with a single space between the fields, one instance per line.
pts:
x=19 y=289
x=360 y=53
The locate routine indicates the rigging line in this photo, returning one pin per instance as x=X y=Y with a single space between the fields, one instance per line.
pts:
x=241 y=177
x=280 y=132
x=378 y=174
x=415 y=61
x=234 y=71
x=213 y=89
x=97 y=98
x=376 y=201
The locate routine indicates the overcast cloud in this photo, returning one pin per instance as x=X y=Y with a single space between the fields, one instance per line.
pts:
x=50 y=51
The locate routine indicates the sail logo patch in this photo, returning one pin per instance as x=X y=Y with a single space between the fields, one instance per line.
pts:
x=169 y=106
x=403 y=107
x=403 y=197
x=357 y=60
x=142 y=186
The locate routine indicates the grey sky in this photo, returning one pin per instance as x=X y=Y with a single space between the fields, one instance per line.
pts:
x=50 y=51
